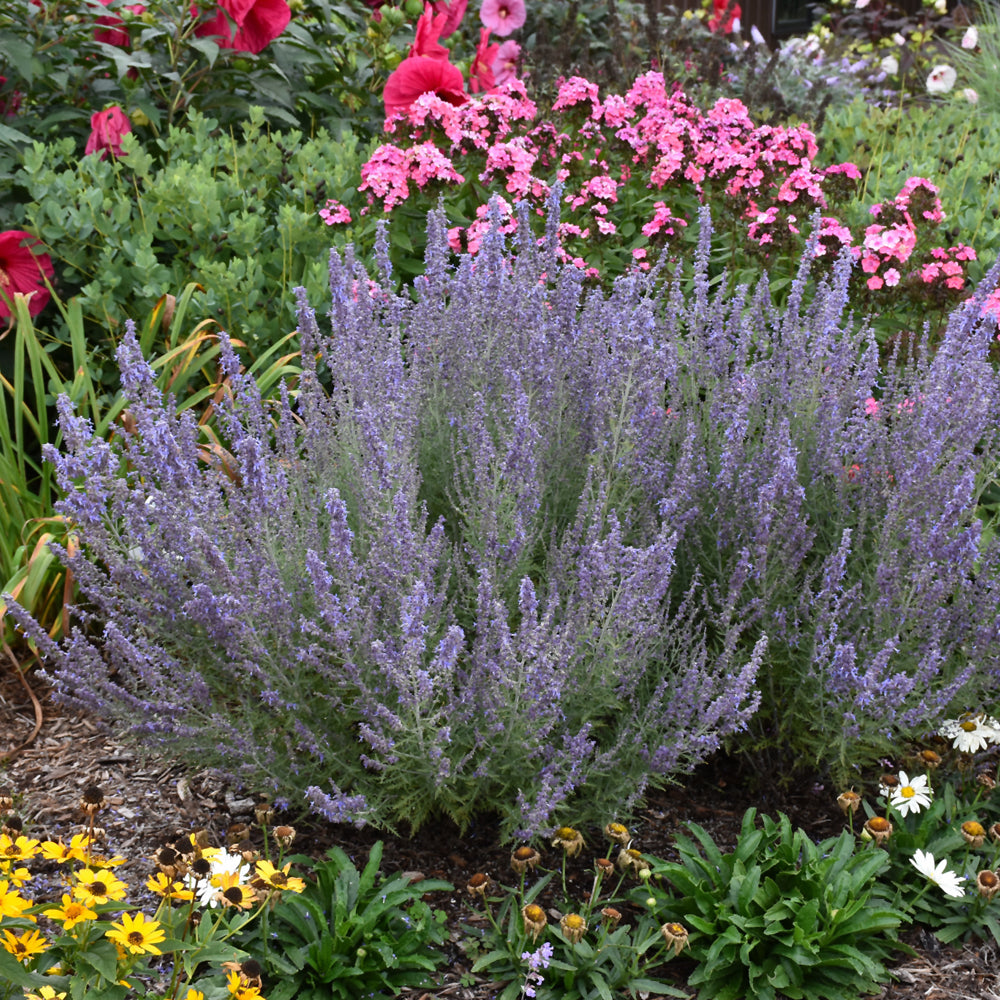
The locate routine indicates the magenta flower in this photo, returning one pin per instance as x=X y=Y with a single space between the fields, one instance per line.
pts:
x=430 y=27
x=481 y=69
x=246 y=25
x=455 y=9
x=505 y=62
x=503 y=16
x=418 y=75
x=22 y=270
x=113 y=32
x=106 y=130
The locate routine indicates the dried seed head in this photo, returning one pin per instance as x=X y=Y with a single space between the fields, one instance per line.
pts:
x=973 y=833
x=284 y=835
x=878 y=828
x=929 y=758
x=604 y=867
x=987 y=883
x=263 y=812
x=676 y=936
x=612 y=916
x=570 y=840
x=534 y=920
x=849 y=801
x=6 y=799
x=573 y=927
x=477 y=886
x=618 y=834
x=524 y=858
x=13 y=826
x=986 y=780
x=630 y=860
x=92 y=801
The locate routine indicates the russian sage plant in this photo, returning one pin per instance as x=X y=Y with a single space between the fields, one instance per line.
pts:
x=510 y=546
x=414 y=585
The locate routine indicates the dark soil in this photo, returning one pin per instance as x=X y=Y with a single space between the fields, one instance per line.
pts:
x=150 y=805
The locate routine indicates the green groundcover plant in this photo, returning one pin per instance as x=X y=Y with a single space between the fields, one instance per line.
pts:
x=780 y=916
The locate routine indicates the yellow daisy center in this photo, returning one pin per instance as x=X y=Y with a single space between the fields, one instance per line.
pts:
x=908 y=792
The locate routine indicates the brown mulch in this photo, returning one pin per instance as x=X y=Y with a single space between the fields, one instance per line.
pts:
x=151 y=803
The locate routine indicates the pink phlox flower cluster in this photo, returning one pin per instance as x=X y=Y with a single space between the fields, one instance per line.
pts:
x=662 y=221
x=430 y=111
x=388 y=173
x=802 y=181
x=833 y=237
x=334 y=213
x=884 y=245
x=947 y=266
x=480 y=226
x=515 y=160
x=991 y=307
x=919 y=196
x=616 y=111
x=577 y=90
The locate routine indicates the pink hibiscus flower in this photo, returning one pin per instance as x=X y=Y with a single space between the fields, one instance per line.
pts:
x=106 y=130
x=246 y=25
x=22 y=270
x=418 y=75
x=503 y=17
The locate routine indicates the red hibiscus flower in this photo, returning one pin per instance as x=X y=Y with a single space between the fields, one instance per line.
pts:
x=428 y=32
x=257 y=24
x=22 y=270
x=731 y=23
x=106 y=130
x=114 y=33
x=455 y=9
x=418 y=75
x=481 y=70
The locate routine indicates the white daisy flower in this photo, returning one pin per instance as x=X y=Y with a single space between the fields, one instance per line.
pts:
x=948 y=882
x=911 y=794
x=971 y=733
x=206 y=890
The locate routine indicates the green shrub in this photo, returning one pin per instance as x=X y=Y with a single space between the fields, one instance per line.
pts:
x=236 y=214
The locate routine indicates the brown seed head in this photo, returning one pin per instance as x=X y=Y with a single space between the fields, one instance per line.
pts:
x=6 y=799
x=987 y=883
x=973 y=833
x=878 y=828
x=534 y=920
x=929 y=758
x=92 y=801
x=524 y=858
x=573 y=927
x=676 y=936
x=849 y=801
x=612 y=916
x=477 y=886
x=284 y=835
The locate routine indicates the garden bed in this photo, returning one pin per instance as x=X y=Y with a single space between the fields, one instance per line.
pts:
x=150 y=802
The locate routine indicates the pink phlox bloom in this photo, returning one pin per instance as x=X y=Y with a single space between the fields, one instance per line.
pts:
x=503 y=17
x=575 y=91
x=334 y=213
x=455 y=11
x=848 y=170
x=385 y=175
x=603 y=187
x=505 y=63
x=896 y=241
x=892 y=277
x=870 y=263
x=875 y=282
x=514 y=160
x=429 y=29
x=662 y=222
x=930 y=272
x=694 y=174
x=647 y=89
x=481 y=69
x=616 y=111
x=426 y=163
x=872 y=406
x=429 y=111
x=481 y=225
x=802 y=180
